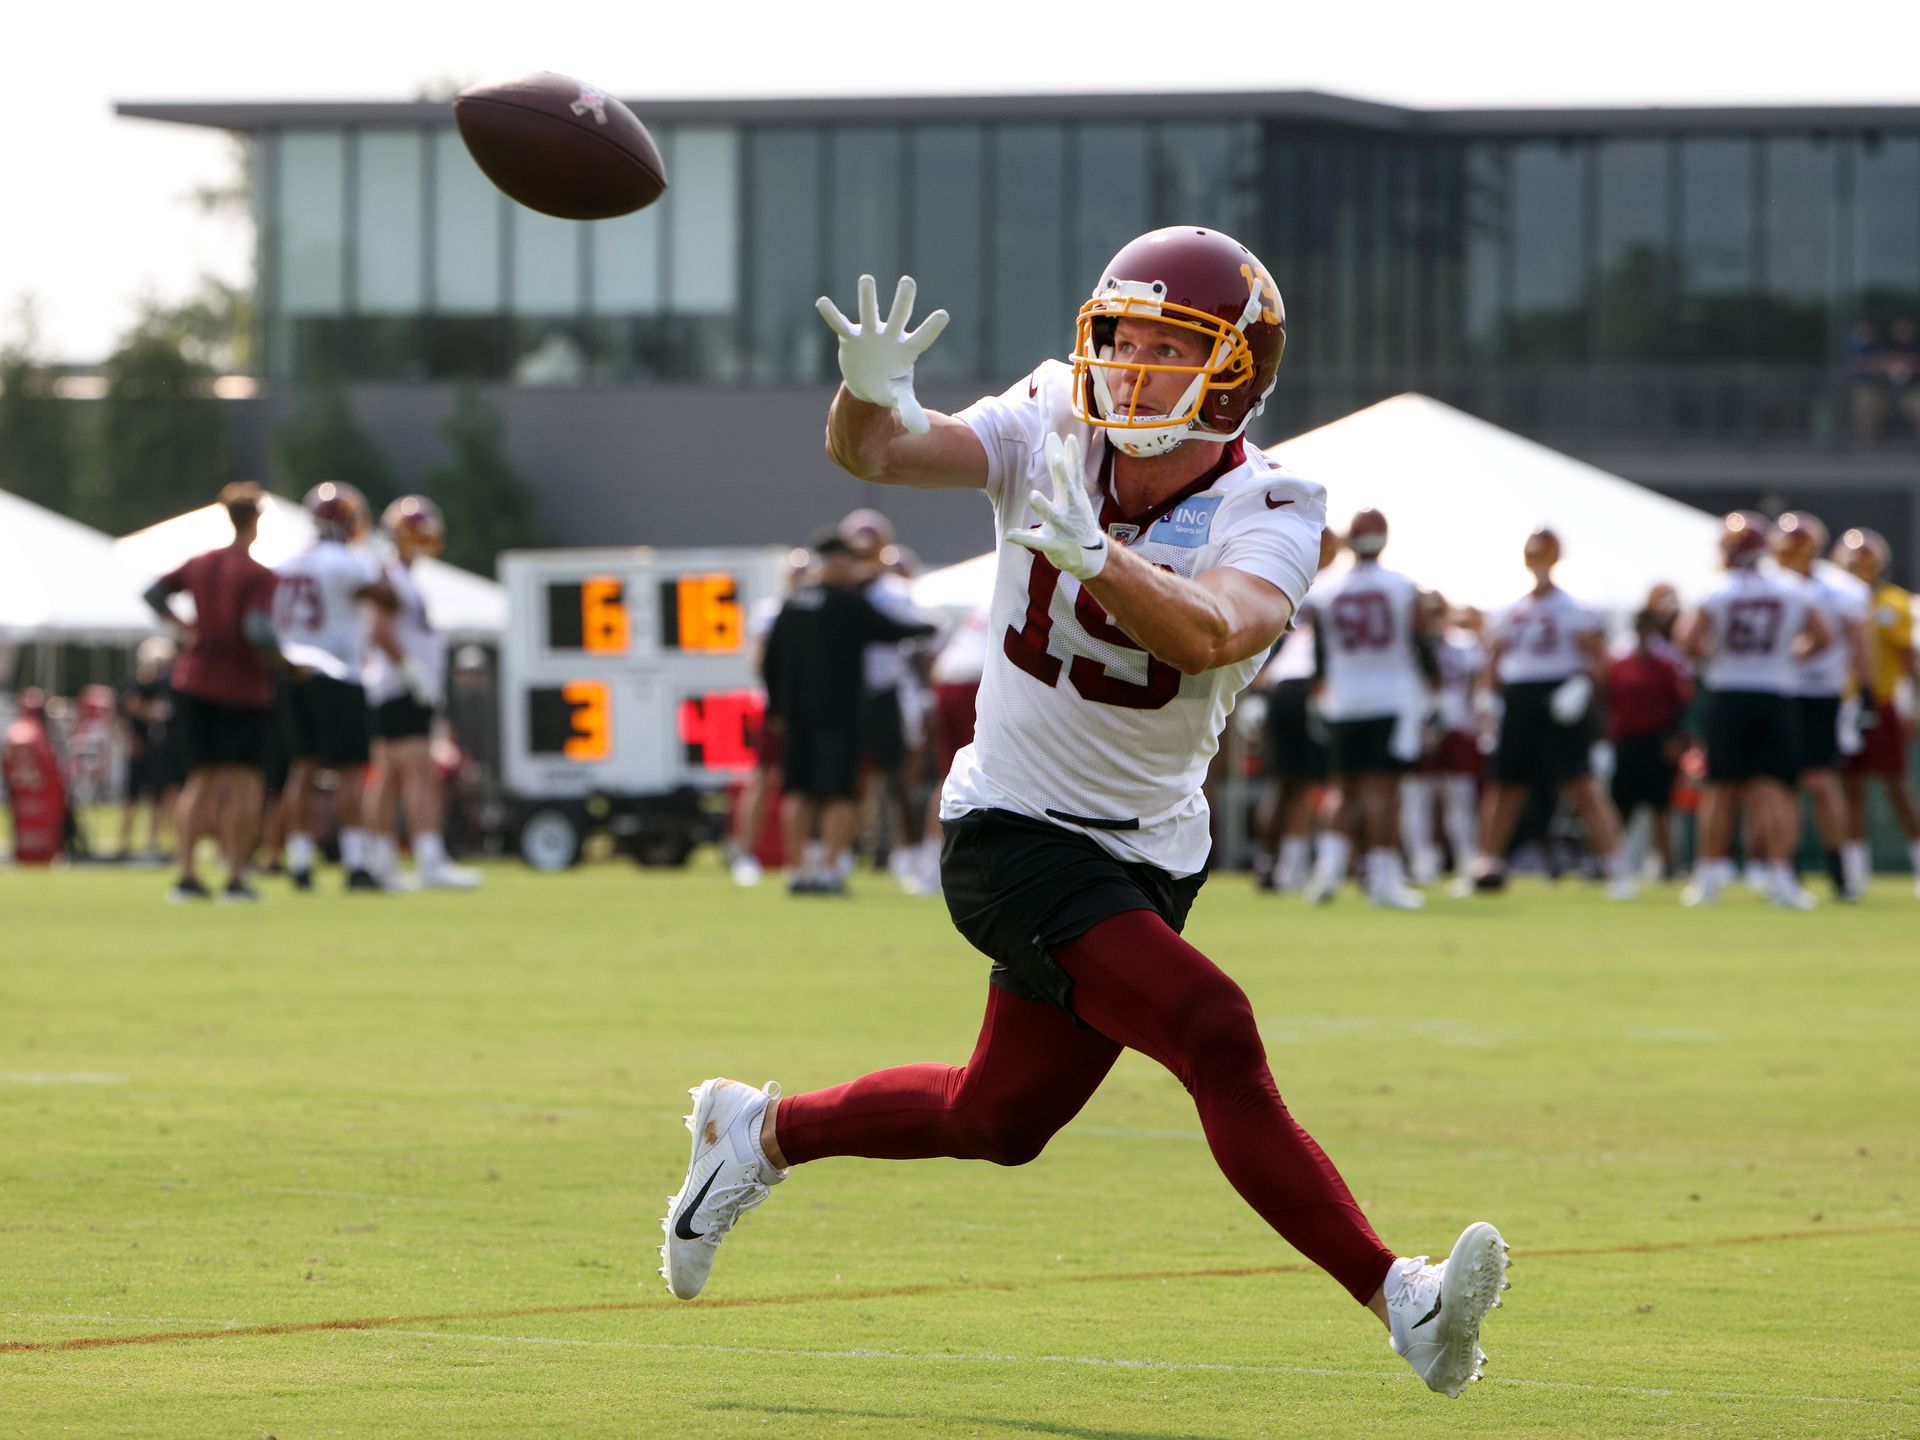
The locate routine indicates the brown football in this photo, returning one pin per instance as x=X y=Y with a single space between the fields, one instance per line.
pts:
x=560 y=146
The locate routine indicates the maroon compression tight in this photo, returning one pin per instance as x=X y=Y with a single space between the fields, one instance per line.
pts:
x=1141 y=987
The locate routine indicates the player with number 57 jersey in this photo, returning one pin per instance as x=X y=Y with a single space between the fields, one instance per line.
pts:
x=1148 y=561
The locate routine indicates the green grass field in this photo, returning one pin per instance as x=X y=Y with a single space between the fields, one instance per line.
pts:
x=395 y=1167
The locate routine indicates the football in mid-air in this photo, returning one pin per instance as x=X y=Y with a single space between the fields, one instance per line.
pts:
x=561 y=146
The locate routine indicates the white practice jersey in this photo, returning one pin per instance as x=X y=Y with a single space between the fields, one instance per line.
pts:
x=316 y=619
x=1843 y=600
x=1540 y=638
x=885 y=665
x=1462 y=657
x=1077 y=725
x=419 y=642
x=1757 y=614
x=1364 y=615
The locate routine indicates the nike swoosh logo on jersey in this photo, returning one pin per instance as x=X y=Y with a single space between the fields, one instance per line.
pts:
x=1273 y=504
x=686 y=1231
x=1033 y=387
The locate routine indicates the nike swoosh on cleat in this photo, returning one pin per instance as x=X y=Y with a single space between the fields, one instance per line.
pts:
x=1416 y=1324
x=687 y=1232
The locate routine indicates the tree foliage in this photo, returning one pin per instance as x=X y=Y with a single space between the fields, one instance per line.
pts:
x=38 y=454
x=488 y=505
x=323 y=440
x=164 y=441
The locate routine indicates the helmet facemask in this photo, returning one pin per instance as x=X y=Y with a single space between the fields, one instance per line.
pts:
x=1099 y=377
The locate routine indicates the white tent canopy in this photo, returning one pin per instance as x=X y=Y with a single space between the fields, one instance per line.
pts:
x=59 y=580
x=1461 y=496
x=462 y=605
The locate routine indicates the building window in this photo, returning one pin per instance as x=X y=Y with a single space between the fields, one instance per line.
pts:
x=1032 y=309
x=469 y=216
x=1716 y=249
x=387 y=275
x=945 y=241
x=865 y=214
x=787 y=342
x=703 y=220
x=1549 y=260
x=1112 y=190
x=1797 y=249
x=1486 y=222
x=312 y=222
x=1631 y=264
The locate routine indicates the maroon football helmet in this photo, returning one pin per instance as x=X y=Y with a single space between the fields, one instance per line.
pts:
x=1748 y=536
x=414 y=523
x=1367 y=533
x=1799 y=539
x=338 y=509
x=1196 y=280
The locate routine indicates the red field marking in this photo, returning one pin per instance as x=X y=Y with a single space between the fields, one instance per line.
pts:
x=895 y=1292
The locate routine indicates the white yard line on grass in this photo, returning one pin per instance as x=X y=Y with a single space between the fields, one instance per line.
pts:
x=1121 y=1362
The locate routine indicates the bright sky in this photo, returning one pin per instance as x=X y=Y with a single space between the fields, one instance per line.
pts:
x=93 y=210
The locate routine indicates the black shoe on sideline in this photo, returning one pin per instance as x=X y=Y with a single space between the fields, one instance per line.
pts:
x=238 y=892
x=302 y=879
x=188 y=890
x=364 y=880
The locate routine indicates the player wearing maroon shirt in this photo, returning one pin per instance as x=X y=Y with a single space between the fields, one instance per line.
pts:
x=223 y=695
x=1646 y=693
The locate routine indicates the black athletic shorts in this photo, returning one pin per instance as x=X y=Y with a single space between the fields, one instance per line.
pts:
x=1817 y=729
x=1364 y=747
x=1296 y=736
x=1643 y=774
x=821 y=762
x=1015 y=887
x=215 y=734
x=402 y=718
x=1750 y=735
x=883 y=736
x=1535 y=749
x=329 y=721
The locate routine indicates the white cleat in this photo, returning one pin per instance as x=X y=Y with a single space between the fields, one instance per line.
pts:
x=1434 y=1311
x=1696 y=894
x=724 y=1180
x=1319 y=890
x=1622 y=889
x=1798 y=897
x=746 y=871
x=1398 y=897
x=446 y=876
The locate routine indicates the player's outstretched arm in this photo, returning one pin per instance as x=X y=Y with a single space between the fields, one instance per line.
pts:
x=877 y=429
x=1218 y=618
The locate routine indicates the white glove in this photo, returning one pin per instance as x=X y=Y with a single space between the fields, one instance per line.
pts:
x=1569 y=700
x=1071 y=536
x=876 y=357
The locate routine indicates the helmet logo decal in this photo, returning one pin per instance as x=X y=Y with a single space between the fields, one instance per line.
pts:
x=1260 y=285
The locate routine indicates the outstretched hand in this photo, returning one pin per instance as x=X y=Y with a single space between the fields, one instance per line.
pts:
x=1070 y=535
x=876 y=356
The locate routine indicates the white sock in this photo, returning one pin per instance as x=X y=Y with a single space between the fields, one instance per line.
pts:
x=299 y=853
x=1854 y=866
x=1781 y=879
x=1416 y=814
x=813 y=859
x=382 y=854
x=353 y=847
x=429 y=851
x=745 y=1135
x=1292 y=866
x=1460 y=811
x=1330 y=859
x=1617 y=866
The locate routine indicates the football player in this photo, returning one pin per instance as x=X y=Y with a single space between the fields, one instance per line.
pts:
x=1887 y=703
x=1296 y=735
x=750 y=810
x=1827 y=728
x=406 y=674
x=319 y=617
x=1749 y=635
x=1375 y=661
x=1548 y=650
x=1456 y=762
x=1148 y=559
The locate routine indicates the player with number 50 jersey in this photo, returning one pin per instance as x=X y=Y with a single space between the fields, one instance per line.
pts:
x=1148 y=561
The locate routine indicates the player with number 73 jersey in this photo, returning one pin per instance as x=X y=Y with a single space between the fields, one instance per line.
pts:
x=1147 y=562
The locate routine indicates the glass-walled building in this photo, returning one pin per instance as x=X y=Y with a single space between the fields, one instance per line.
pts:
x=1692 y=275
x=1714 y=282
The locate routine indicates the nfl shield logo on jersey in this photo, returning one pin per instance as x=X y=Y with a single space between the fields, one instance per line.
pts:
x=1124 y=533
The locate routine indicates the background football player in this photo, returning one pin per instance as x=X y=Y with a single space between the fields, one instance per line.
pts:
x=1886 y=719
x=1749 y=635
x=1147 y=561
